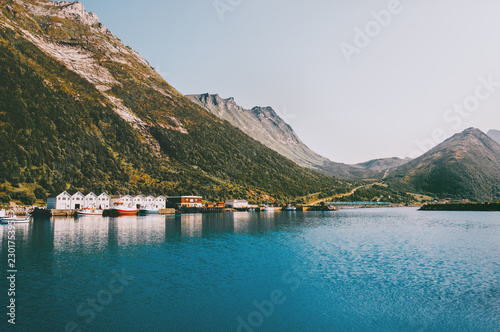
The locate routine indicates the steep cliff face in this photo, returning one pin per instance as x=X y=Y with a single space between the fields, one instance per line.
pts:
x=267 y=127
x=79 y=110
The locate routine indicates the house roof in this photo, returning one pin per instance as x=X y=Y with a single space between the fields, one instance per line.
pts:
x=120 y=196
x=63 y=193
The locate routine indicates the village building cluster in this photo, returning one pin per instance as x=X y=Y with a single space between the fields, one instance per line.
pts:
x=65 y=201
x=77 y=201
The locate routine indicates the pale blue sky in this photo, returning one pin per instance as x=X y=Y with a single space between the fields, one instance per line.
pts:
x=287 y=54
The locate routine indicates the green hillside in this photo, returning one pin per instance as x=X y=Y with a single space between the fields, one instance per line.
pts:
x=466 y=166
x=59 y=130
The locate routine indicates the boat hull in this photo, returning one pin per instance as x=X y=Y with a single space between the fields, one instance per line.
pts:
x=122 y=212
x=90 y=213
x=148 y=212
x=15 y=220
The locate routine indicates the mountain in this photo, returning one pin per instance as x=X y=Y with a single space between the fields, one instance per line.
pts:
x=466 y=166
x=495 y=134
x=383 y=164
x=267 y=127
x=79 y=110
x=264 y=125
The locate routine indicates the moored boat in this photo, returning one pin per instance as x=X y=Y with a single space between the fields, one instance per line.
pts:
x=290 y=208
x=120 y=209
x=89 y=212
x=271 y=209
x=145 y=212
x=15 y=220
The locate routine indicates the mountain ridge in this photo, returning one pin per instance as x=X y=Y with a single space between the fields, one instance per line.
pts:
x=267 y=127
x=465 y=166
x=383 y=164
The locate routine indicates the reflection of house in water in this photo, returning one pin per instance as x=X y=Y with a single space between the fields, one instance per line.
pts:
x=242 y=222
x=218 y=223
x=137 y=230
x=173 y=228
x=192 y=225
x=81 y=232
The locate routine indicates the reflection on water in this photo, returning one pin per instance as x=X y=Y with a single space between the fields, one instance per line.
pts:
x=361 y=270
x=63 y=233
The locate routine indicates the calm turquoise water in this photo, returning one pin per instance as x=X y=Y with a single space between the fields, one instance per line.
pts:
x=356 y=270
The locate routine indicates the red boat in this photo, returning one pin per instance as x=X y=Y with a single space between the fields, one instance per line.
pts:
x=120 y=209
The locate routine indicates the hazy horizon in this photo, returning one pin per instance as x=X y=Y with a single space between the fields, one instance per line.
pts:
x=356 y=81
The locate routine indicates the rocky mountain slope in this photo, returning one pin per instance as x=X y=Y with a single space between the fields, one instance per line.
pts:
x=264 y=125
x=466 y=166
x=383 y=164
x=267 y=127
x=79 y=110
x=495 y=135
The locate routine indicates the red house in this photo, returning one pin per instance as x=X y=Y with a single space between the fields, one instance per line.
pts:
x=185 y=201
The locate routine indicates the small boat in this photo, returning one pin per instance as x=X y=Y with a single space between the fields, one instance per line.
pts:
x=120 y=209
x=290 y=208
x=145 y=212
x=14 y=220
x=90 y=212
x=251 y=210
x=271 y=209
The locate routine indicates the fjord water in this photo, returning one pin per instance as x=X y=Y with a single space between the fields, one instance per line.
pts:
x=352 y=270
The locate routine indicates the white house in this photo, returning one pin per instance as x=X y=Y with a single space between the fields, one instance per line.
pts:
x=160 y=202
x=77 y=201
x=126 y=200
x=90 y=201
x=236 y=204
x=103 y=201
x=139 y=200
x=149 y=202
x=60 y=202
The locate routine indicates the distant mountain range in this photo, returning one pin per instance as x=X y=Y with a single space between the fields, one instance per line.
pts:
x=264 y=125
x=383 y=164
x=267 y=127
x=495 y=134
x=466 y=166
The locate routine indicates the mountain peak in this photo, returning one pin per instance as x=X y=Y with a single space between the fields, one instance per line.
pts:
x=473 y=131
x=466 y=165
x=63 y=9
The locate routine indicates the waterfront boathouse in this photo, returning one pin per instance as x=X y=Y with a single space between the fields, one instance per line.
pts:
x=236 y=204
x=60 y=202
x=185 y=201
x=103 y=201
